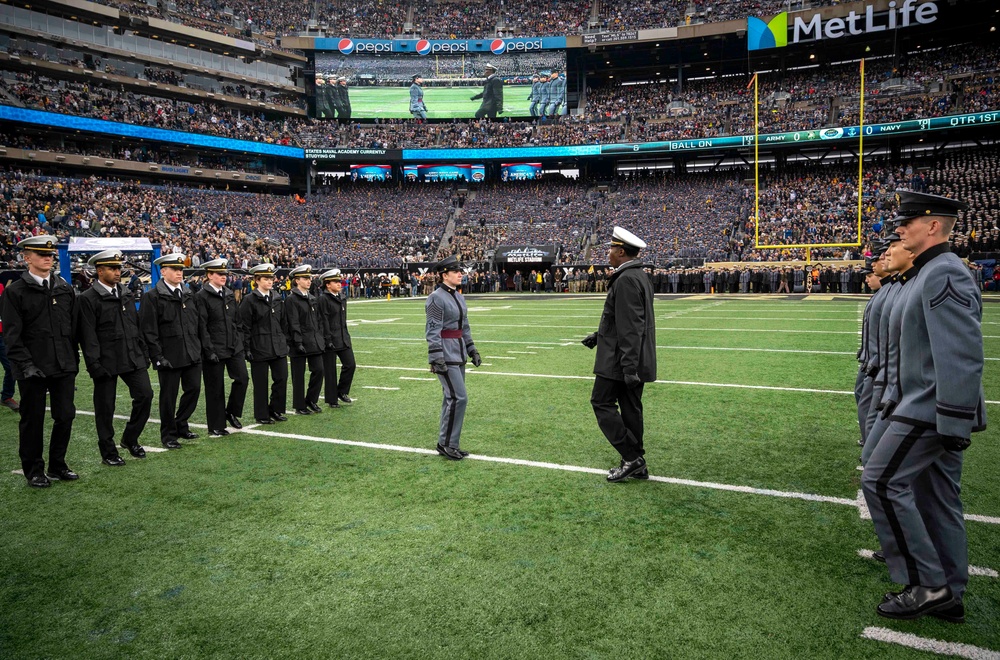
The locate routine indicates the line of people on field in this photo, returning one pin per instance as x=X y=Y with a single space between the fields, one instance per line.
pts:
x=919 y=392
x=186 y=336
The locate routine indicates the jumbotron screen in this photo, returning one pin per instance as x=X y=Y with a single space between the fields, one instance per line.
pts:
x=380 y=86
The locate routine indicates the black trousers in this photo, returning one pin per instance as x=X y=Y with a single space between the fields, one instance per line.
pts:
x=32 y=424
x=216 y=407
x=302 y=397
x=483 y=112
x=262 y=406
x=174 y=422
x=105 y=392
x=334 y=388
x=623 y=430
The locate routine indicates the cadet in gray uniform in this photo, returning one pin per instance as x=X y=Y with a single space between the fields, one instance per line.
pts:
x=417 y=107
x=868 y=353
x=912 y=480
x=449 y=340
x=557 y=94
x=533 y=96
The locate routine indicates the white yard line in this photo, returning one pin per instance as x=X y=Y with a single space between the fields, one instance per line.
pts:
x=973 y=570
x=432 y=380
x=376 y=387
x=927 y=644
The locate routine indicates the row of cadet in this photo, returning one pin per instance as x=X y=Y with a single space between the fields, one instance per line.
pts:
x=184 y=336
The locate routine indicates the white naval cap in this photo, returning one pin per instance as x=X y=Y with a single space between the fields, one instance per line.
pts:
x=305 y=270
x=265 y=269
x=42 y=244
x=216 y=266
x=625 y=238
x=107 y=258
x=332 y=275
x=175 y=260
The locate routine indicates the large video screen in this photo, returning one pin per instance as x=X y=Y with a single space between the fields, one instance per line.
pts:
x=470 y=173
x=520 y=171
x=381 y=86
x=371 y=172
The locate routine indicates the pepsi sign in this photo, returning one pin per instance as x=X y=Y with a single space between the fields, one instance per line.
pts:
x=423 y=47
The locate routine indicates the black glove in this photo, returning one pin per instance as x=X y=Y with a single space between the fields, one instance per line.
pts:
x=213 y=358
x=473 y=98
x=952 y=443
x=631 y=380
x=301 y=348
x=590 y=341
x=477 y=359
x=100 y=373
x=34 y=372
x=439 y=367
x=249 y=356
x=162 y=363
x=329 y=345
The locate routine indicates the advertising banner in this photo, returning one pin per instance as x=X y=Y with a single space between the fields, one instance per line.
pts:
x=472 y=173
x=520 y=171
x=371 y=172
x=525 y=254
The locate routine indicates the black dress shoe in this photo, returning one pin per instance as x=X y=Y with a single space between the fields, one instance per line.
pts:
x=440 y=449
x=136 y=450
x=345 y=398
x=172 y=444
x=640 y=474
x=451 y=453
x=313 y=407
x=916 y=601
x=217 y=433
x=39 y=482
x=114 y=461
x=626 y=469
x=63 y=475
x=188 y=435
x=953 y=614
x=878 y=555
x=278 y=417
x=265 y=421
x=234 y=421
x=304 y=411
x=333 y=405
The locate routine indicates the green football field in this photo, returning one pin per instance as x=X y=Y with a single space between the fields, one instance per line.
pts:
x=344 y=535
x=442 y=102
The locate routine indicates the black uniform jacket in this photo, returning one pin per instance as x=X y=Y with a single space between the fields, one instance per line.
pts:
x=303 y=325
x=333 y=311
x=39 y=326
x=261 y=326
x=492 y=94
x=170 y=326
x=109 y=332
x=218 y=316
x=626 y=339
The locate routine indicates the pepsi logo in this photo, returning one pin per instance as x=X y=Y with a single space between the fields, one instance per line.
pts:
x=346 y=46
x=498 y=46
x=423 y=47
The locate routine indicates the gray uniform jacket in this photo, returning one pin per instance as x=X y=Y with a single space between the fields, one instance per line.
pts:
x=940 y=383
x=557 y=91
x=449 y=336
x=868 y=356
x=536 y=91
x=417 y=98
x=543 y=92
x=626 y=339
x=885 y=348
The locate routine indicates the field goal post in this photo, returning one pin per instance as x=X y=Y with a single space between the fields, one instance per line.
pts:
x=756 y=173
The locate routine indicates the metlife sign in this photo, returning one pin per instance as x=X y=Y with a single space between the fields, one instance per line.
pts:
x=425 y=47
x=777 y=33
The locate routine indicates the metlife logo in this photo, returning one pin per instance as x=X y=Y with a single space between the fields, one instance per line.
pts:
x=425 y=47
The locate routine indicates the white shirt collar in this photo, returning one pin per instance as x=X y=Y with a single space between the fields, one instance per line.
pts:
x=170 y=286
x=107 y=288
x=40 y=280
x=212 y=287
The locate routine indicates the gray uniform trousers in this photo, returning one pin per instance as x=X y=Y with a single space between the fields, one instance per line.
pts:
x=912 y=484
x=863 y=386
x=453 y=405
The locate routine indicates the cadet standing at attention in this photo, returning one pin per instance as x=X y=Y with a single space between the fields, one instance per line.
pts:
x=39 y=328
x=169 y=322
x=626 y=355
x=912 y=479
x=303 y=328
x=113 y=348
x=265 y=347
x=223 y=352
x=333 y=310
x=449 y=341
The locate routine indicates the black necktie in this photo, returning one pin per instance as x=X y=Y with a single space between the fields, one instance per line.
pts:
x=45 y=283
x=114 y=292
x=177 y=291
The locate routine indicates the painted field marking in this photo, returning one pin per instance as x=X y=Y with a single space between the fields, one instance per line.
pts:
x=366 y=352
x=375 y=387
x=20 y=472
x=760 y=318
x=927 y=644
x=432 y=380
x=863 y=506
x=587 y=327
x=544 y=348
x=523 y=352
x=973 y=570
x=499 y=357
x=992 y=520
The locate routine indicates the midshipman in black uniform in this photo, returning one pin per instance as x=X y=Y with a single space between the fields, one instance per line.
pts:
x=265 y=347
x=333 y=310
x=303 y=328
